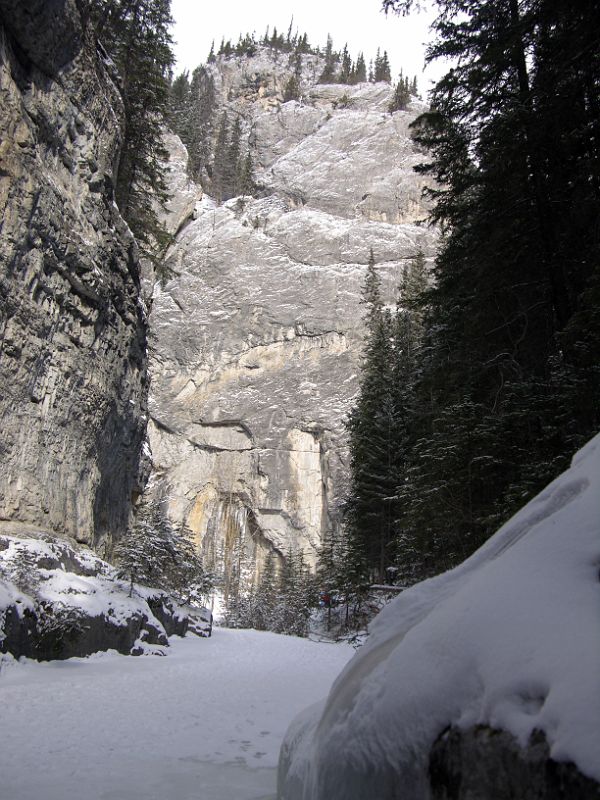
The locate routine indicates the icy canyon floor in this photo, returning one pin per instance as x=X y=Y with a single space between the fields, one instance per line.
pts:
x=205 y=722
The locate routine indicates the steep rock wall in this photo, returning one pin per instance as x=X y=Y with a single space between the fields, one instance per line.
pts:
x=256 y=341
x=72 y=328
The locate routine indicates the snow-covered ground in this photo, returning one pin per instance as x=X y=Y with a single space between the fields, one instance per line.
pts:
x=509 y=639
x=205 y=722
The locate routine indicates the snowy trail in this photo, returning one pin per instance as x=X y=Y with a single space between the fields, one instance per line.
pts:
x=206 y=722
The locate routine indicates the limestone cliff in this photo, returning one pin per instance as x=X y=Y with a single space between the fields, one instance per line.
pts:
x=72 y=327
x=256 y=342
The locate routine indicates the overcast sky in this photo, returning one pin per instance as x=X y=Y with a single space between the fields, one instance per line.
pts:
x=360 y=23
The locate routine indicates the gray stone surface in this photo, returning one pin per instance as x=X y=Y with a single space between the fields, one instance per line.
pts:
x=255 y=344
x=484 y=763
x=72 y=327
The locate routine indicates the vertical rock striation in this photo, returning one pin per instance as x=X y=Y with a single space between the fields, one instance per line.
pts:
x=256 y=341
x=72 y=326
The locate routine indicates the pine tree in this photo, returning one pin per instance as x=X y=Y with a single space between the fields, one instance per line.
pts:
x=246 y=184
x=232 y=161
x=372 y=428
x=360 y=69
x=187 y=579
x=505 y=391
x=203 y=106
x=180 y=107
x=376 y=70
x=346 y=67
x=334 y=577
x=291 y=90
x=220 y=163
x=381 y=70
x=328 y=74
x=303 y=45
x=296 y=597
x=386 y=74
x=264 y=599
x=288 y=38
x=136 y=35
x=401 y=97
x=155 y=554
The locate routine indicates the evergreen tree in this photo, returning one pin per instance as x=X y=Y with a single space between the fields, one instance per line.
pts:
x=264 y=599
x=203 y=106
x=180 y=107
x=296 y=597
x=136 y=35
x=376 y=70
x=288 y=38
x=187 y=579
x=303 y=45
x=386 y=74
x=291 y=89
x=381 y=71
x=372 y=431
x=328 y=74
x=155 y=554
x=246 y=184
x=507 y=388
x=401 y=97
x=233 y=161
x=346 y=67
x=220 y=164
x=360 y=72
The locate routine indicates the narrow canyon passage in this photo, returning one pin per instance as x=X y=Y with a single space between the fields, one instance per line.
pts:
x=203 y=723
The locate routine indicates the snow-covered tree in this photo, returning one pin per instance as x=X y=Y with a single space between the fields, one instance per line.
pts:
x=155 y=554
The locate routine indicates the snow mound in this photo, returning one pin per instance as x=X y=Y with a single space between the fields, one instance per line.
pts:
x=509 y=639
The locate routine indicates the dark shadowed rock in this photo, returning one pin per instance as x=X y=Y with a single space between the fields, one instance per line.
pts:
x=483 y=763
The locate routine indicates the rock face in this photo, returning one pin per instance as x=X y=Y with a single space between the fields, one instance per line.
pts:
x=58 y=601
x=256 y=342
x=72 y=328
x=490 y=764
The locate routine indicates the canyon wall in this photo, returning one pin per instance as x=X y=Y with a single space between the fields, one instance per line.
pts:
x=256 y=339
x=72 y=327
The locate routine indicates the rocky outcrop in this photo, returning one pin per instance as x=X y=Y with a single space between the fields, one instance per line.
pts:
x=57 y=601
x=256 y=341
x=72 y=327
x=489 y=764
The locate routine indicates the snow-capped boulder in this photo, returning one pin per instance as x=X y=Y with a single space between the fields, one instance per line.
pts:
x=489 y=663
x=57 y=602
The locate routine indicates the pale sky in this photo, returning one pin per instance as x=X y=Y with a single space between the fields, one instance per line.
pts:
x=360 y=23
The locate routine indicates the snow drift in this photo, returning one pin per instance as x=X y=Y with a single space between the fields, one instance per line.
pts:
x=509 y=639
